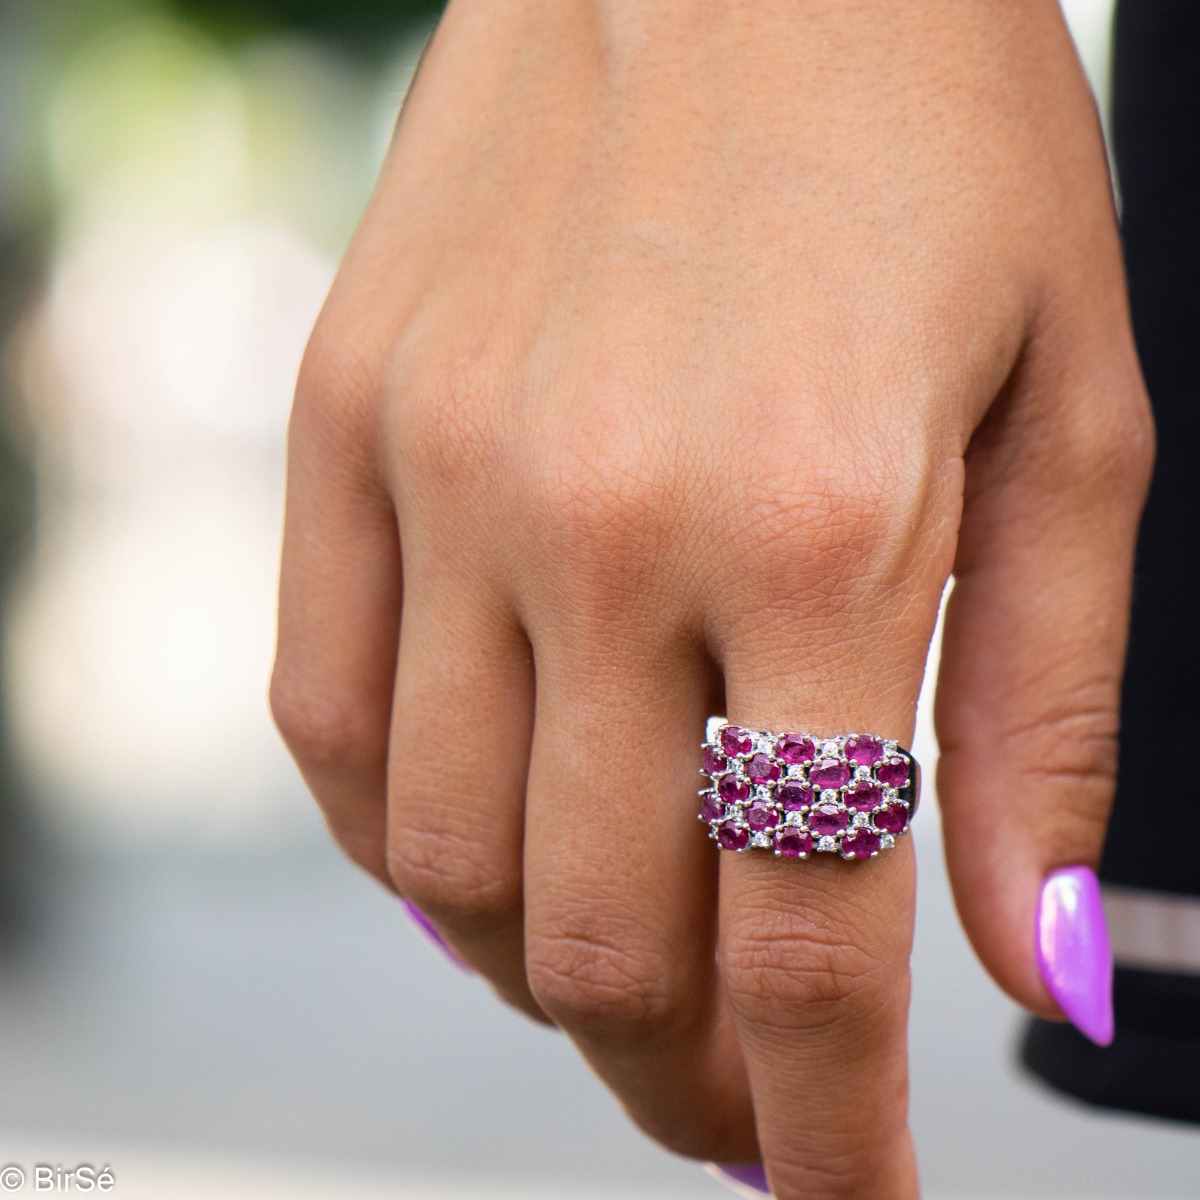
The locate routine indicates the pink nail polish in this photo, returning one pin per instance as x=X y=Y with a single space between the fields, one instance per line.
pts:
x=747 y=1179
x=1073 y=951
x=429 y=930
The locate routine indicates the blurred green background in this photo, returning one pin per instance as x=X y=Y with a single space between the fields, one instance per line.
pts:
x=194 y=988
x=176 y=184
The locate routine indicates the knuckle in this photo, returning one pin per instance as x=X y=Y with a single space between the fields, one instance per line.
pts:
x=607 y=526
x=334 y=424
x=457 y=881
x=337 y=386
x=798 y=977
x=1079 y=749
x=1073 y=732
x=843 y=523
x=1139 y=440
x=447 y=423
x=1061 y=752
x=1108 y=446
x=599 y=988
x=597 y=511
x=325 y=728
x=608 y=479
x=1070 y=756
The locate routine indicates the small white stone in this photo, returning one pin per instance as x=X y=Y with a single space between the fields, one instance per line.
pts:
x=762 y=840
x=830 y=749
x=827 y=843
x=860 y=819
x=794 y=818
x=862 y=772
x=890 y=748
x=890 y=794
x=731 y=811
x=762 y=792
x=829 y=797
x=795 y=772
x=886 y=842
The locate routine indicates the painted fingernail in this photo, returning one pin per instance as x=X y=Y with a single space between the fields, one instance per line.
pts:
x=429 y=930
x=1074 y=954
x=747 y=1179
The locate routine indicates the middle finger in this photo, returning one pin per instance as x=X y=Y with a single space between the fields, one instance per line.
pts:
x=620 y=887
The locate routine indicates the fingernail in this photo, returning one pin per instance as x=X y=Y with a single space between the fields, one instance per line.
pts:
x=427 y=927
x=747 y=1179
x=1074 y=954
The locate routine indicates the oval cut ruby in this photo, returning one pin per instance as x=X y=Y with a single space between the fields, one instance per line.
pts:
x=714 y=761
x=894 y=772
x=866 y=751
x=791 y=843
x=892 y=819
x=825 y=820
x=759 y=817
x=732 y=790
x=760 y=769
x=794 y=796
x=794 y=749
x=865 y=797
x=735 y=741
x=862 y=845
x=711 y=809
x=729 y=837
x=829 y=773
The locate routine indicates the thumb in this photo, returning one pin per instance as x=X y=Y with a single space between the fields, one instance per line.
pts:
x=1029 y=687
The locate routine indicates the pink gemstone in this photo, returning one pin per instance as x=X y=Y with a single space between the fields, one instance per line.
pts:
x=759 y=817
x=825 y=820
x=865 y=797
x=829 y=773
x=894 y=772
x=734 y=741
x=731 y=838
x=712 y=809
x=866 y=751
x=714 y=761
x=794 y=796
x=794 y=749
x=731 y=789
x=892 y=819
x=862 y=845
x=760 y=769
x=791 y=843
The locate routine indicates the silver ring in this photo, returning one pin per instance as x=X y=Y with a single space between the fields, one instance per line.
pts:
x=796 y=794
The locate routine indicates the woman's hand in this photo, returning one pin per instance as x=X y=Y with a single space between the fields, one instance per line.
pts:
x=686 y=348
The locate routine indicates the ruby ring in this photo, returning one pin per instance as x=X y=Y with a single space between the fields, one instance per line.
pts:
x=796 y=793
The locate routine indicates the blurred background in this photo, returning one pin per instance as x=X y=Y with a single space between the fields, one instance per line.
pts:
x=195 y=990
